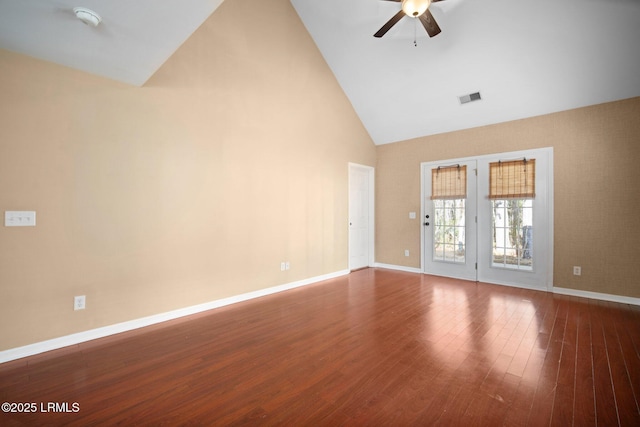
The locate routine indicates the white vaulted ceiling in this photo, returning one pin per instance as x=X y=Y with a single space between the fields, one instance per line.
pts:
x=134 y=39
x=525 y=58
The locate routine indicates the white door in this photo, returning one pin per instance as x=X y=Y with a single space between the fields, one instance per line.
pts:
x=515 y=243
x=449 y=221
x=361 y=181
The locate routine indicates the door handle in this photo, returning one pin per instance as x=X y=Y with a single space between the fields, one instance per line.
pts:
x=426 y=223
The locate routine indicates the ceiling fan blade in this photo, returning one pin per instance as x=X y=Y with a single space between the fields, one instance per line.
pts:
x=429 y=24
x=390 y=23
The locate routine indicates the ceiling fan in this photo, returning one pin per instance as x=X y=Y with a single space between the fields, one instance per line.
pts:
x=414 y=9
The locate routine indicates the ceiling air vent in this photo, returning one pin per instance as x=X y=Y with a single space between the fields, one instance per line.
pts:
x=464 y=99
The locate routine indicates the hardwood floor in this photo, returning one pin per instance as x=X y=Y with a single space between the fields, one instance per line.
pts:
x=377 y=347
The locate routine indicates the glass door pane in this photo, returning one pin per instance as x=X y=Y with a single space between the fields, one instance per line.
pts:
x=449 y=242
x=512 y=234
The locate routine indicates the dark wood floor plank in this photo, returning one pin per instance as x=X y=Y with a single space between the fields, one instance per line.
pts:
x=563 y=405
x=547 y=385
x=376 y=347
x=493 y=397
x=606 y=406
x=624 y=330
x=584 y=401
x=446 y=388
x=628 y=413
x=520 y=407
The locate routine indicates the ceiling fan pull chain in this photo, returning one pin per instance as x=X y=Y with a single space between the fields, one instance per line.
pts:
x=415 y=32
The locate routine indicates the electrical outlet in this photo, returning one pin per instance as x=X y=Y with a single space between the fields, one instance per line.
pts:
x=283 y=266
x=286 y=265
x=577 y=271
x=79 y=302
x=406 y=252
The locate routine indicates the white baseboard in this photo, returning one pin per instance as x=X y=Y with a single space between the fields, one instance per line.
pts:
x=80 y=337
x=556 y=290
x=597 y=295
x=397 y=267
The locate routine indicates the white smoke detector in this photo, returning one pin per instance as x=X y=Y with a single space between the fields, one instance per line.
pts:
x=87 y=16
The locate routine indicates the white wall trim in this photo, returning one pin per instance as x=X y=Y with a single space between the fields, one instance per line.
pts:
x=398 y=267
x=92 y=334
x=597 y=295
x=561 y=291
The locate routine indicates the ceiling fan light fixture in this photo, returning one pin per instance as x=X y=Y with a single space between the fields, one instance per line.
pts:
x=87 y=16
x=415 y=8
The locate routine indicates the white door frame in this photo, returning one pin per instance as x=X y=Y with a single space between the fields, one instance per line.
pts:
x=370 y=210
x=547 y=250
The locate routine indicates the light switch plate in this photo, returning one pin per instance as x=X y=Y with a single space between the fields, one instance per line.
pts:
x=20 y=218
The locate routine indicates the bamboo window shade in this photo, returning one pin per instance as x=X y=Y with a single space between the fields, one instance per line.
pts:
x=449 y=182
x=514 y=179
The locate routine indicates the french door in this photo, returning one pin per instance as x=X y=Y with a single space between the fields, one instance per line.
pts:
x=449 y=221
x=486 y=238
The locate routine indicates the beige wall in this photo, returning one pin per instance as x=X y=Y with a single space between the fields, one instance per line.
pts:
x=596 y=200
x=231 y=159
